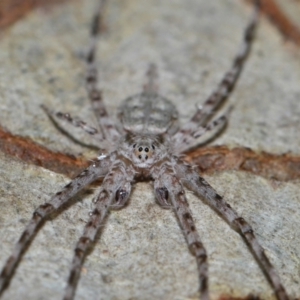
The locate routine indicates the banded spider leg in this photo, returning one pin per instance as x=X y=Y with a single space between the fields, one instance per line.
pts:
x=200 y=122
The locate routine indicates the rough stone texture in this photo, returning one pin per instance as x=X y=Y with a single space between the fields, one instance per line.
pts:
x=142 y=253
x=292 y=9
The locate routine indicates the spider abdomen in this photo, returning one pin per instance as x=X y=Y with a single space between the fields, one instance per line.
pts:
x=149 y=113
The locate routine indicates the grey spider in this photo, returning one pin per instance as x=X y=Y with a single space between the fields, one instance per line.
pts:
x=147 y=146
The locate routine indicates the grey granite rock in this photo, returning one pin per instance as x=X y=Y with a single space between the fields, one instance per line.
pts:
x=142 y=253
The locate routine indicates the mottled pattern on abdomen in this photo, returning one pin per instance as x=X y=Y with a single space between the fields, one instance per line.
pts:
x=148 y=113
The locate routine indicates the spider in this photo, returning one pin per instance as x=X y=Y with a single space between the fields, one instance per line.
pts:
x=147 y=146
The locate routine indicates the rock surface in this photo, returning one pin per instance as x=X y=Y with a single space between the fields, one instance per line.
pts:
x=142 y=253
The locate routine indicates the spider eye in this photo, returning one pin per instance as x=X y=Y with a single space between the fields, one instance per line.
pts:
x=146 y=149
x=141 y=149
x=134 y=145
x=146 y=157
x=140 y=156
x=153 y=147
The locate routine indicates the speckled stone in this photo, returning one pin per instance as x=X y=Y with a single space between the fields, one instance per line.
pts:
x=142 y=253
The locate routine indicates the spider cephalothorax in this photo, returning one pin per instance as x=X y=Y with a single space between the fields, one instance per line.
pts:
x=144 y=150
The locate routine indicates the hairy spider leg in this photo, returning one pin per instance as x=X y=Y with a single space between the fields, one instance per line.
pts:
x=202 y=189
x=105 y=122
x=218 y=97
x=116 y=187
x=208 y=132
x=97 y=170
x=214 y=127
x=166 y=179
x=76 y=122
x=151 y=86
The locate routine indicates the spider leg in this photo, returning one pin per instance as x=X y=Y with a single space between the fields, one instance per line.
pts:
x=105 y=122
x=214 y=126
x=229 y=80
x=217 y=98
x=116 y=188
x=210 y=131
x=75 y=122
x=151 y=86
x=169 y=190
x=98 y=169
x=202 y=189
x=162 y=196
x=122 y=196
